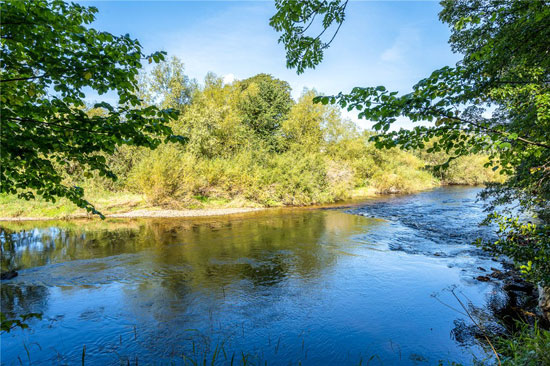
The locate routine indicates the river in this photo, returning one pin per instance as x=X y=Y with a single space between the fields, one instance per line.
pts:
x=325 y=286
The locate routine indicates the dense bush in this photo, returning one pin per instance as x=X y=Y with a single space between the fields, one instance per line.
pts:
x=250 y=143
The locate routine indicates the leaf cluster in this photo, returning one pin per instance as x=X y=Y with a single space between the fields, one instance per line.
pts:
x=8 y=325
x=294 y=18
x=527 y=243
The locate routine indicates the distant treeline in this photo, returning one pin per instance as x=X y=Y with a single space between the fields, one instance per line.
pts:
x=249 y=142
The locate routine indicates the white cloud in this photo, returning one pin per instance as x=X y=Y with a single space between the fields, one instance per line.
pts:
x=238 y=41
x=407 y=40
x=391 y=54
x=228 y=78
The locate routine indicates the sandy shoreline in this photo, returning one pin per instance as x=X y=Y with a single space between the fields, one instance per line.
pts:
x=144 y=213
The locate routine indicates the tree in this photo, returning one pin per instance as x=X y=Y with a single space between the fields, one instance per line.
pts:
x=264 y=106
x=50 y=59
x=212 y=121
x=303 y=127
x=169 y=82
x=495 y=100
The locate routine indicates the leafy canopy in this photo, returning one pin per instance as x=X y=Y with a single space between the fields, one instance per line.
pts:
x=295 y=18
x=50 y=59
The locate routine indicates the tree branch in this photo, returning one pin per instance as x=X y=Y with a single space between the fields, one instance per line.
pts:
x=22 y=78
x=519 y=138
x=56 y=125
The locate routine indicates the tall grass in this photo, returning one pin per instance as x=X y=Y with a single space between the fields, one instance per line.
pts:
x=528 y=346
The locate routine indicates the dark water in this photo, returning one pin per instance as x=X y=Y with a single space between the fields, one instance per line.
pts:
x=316 y=287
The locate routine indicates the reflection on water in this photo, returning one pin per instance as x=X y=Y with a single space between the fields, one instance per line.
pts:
x=286 y=286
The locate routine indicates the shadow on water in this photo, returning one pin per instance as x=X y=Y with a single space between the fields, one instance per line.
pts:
x=286 y=286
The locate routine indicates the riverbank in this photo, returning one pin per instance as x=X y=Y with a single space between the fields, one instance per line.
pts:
x=129 y=205
x=160 y=213
x=116 y=205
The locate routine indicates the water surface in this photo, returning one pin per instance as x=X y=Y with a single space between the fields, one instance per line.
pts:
x=316 y=287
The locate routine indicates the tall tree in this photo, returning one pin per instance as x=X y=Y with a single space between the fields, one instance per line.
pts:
x=265 y=105
x=169 y=82
x=50 y=59
x=303 y=129
x=496 y=99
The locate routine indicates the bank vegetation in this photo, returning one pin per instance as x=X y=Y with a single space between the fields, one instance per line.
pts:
x=248 y=144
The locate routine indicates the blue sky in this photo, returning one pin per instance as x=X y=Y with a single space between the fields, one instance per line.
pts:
x=391 y=43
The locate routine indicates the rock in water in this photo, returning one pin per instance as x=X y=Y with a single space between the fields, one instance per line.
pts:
x=8 y=275
x=499 y=275
x=518 y=286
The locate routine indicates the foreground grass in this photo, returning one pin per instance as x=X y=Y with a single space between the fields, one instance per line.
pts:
x=529 y=346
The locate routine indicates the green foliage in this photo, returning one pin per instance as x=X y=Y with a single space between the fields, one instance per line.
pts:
x=529 y=346
x=318 y=156
x=470 y=170
x=389 y=171
x=296 y=179
x=294 y=18
x=249 y=144
x=213 y=120
x=303 y=127
x=170 y=84
x=50 y=58
x=8 y=325
x=159 y=175
x=527 y=243
x=467 y=170
x=264 y=105
x=247 y=140
x=398 y=172
x=176 y=178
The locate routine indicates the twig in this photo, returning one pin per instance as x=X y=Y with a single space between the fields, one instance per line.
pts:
x=478 y=325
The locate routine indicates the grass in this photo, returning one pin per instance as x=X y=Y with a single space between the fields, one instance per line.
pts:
x=106 y=202
x=528 y=346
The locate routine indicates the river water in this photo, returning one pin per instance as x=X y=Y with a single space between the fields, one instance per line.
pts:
x=284 y=286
